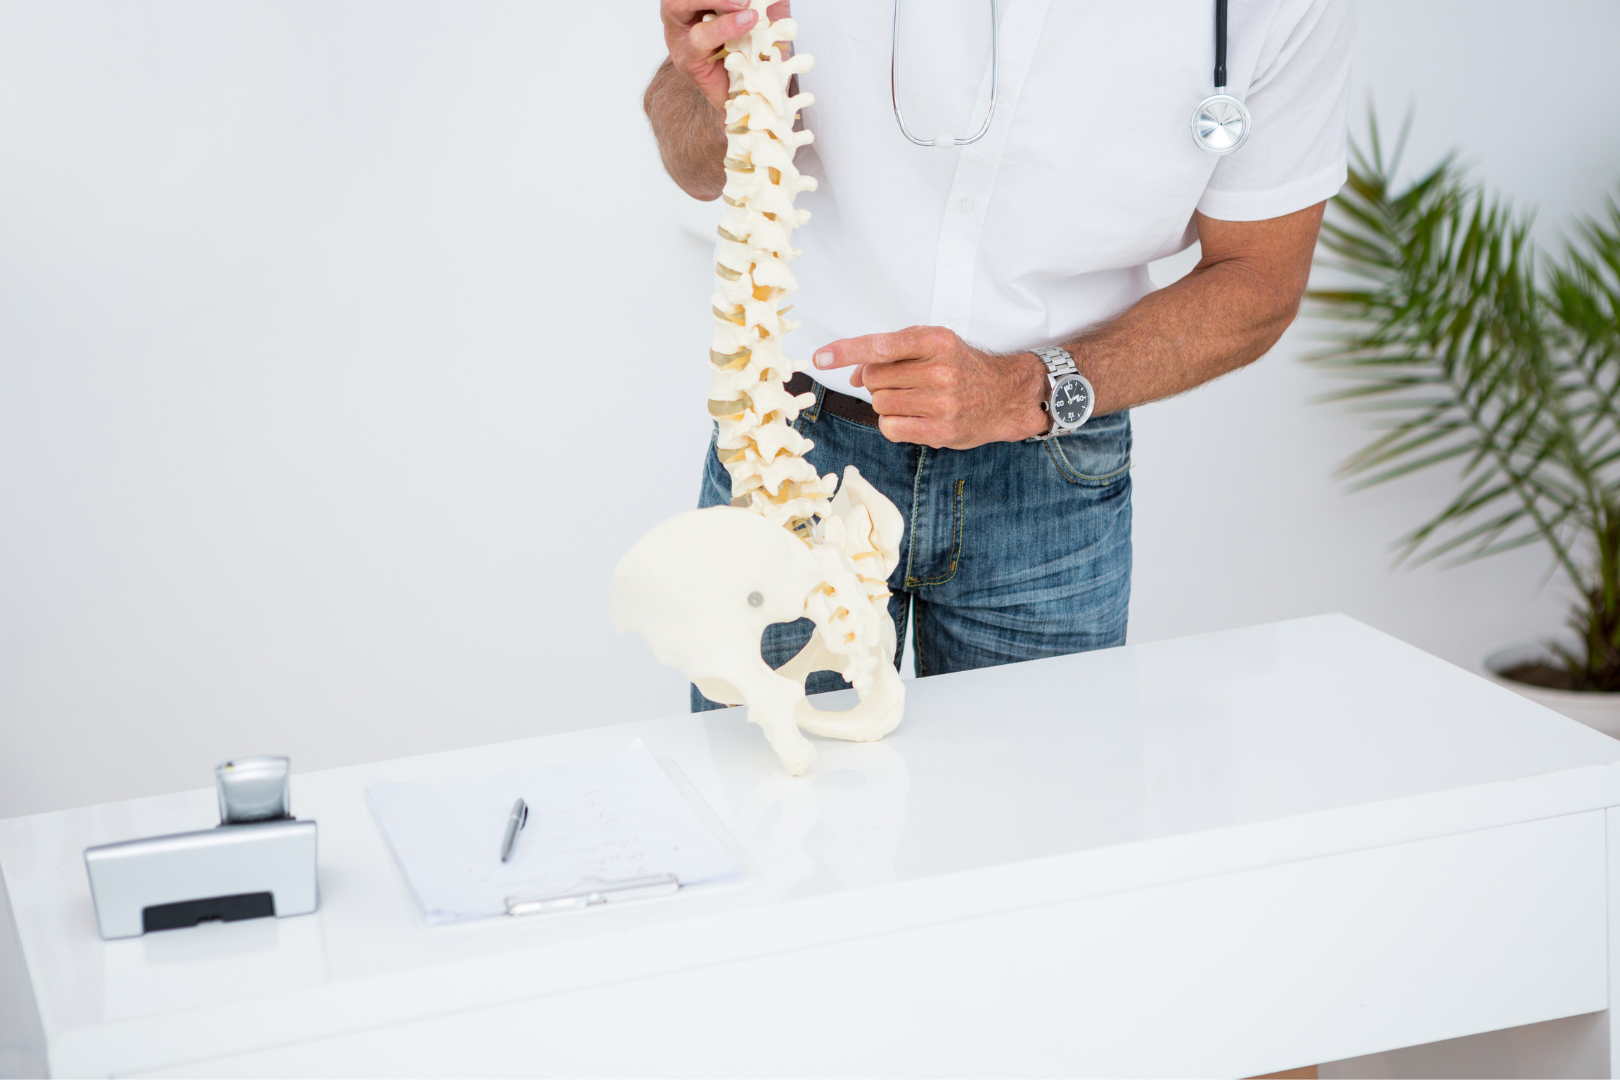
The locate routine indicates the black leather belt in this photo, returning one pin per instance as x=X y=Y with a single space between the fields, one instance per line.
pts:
x=850 y=408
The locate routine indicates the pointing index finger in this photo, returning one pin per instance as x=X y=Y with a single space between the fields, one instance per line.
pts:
x=909 y=344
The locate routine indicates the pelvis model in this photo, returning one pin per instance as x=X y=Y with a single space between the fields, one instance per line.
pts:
x=702 y=587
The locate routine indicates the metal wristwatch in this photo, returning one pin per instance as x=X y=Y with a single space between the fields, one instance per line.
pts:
x=1071 y=400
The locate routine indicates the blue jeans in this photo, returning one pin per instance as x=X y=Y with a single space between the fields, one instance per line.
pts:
x=1013 y=551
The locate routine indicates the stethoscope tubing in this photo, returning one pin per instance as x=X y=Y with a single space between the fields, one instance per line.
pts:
x=995 y=81
x=1218 y=112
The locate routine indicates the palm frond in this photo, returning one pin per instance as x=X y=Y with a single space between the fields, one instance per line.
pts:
x=1465 y=347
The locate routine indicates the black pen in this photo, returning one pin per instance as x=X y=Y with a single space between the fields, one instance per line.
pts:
x=518 y=818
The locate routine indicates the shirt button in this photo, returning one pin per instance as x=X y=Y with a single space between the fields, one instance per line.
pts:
x=967 y=206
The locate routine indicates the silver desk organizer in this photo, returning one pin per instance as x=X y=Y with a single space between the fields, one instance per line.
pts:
x=258 y=861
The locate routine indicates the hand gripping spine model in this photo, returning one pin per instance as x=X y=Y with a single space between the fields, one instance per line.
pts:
x=702 y=587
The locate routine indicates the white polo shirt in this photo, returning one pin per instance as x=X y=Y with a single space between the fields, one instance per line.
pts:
x=1088 y=172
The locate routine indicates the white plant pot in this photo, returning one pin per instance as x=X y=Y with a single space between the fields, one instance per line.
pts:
x=1599 y=711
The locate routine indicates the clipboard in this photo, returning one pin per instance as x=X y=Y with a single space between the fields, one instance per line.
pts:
x=600 y=832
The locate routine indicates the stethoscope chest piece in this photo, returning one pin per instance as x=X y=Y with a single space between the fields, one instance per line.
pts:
x=1220 y=124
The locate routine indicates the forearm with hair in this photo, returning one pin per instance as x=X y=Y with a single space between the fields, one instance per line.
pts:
x=1224 y=314
x=1207 y=324
x=690 y=132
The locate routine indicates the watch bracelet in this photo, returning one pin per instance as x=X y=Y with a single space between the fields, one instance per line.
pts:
x=1059 y=362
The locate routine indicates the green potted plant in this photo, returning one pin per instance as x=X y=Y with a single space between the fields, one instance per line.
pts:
x=1470 y=349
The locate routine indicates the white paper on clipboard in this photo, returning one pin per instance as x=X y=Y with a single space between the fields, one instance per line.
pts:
x=615 y=818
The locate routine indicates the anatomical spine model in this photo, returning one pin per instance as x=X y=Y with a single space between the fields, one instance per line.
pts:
x=702 y=587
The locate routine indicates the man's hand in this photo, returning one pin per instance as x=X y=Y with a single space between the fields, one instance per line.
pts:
x=686 y=100
x=931 y=387
x=692 y=43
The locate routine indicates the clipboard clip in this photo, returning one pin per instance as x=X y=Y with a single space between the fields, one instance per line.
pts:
x=591 y=891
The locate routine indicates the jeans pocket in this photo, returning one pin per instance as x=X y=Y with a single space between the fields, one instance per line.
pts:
x=1097 y=455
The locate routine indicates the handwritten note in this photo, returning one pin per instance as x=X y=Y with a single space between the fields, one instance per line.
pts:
x=615 y=818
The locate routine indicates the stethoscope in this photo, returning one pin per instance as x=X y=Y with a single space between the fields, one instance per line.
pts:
x=1220 y=124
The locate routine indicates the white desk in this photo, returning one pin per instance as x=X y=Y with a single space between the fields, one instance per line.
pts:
x=1222 y=855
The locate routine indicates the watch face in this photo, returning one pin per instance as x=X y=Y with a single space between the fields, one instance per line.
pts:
x=1071 y=401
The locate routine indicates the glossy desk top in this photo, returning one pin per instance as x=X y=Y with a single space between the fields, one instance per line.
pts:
x=1003 y=788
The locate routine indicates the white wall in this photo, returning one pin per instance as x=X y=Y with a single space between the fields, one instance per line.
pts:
x=345 y=346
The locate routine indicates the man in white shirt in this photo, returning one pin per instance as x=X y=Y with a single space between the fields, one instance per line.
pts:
x=929 y=274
